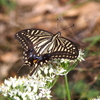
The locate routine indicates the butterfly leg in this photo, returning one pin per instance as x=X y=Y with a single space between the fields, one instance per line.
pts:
x=33 y=70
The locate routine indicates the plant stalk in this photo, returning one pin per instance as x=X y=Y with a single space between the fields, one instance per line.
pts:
x=67 y=88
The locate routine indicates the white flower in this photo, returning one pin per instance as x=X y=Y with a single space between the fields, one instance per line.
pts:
x=45 y=93
x=46 y=70
x=28 y=90
x=16 y=98
x=80 y=56
x=51 y=70
x=6 y=82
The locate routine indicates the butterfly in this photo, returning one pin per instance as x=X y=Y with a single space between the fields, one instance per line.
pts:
x=40 y=46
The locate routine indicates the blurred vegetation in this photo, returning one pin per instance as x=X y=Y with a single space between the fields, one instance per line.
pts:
x=7 y=5
x=93 y=41
x=80 y=90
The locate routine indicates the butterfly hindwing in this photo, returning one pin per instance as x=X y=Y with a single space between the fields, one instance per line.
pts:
x=67 y=48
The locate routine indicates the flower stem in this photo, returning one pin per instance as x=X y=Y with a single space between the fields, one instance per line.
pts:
x=67 y=88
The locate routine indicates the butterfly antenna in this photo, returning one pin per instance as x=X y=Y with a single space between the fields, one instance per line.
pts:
x=58 y=24
x=67 y=28
x=58 y=28
x=20 y=68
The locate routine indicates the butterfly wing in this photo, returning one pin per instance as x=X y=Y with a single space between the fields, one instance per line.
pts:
x=28 y=48
x=38 y=38
x=65 y=49
x=60 y=47
x=23 y=40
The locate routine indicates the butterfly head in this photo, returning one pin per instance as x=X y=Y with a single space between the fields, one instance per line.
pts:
x=58 y=34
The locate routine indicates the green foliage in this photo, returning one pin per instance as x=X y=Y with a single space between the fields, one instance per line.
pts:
x=92 y=93
x=79 y=87
x=93 y=42
x=2 y=97
x=59 y=91
x=71 y=1
x=7 y=4
x=84 y=90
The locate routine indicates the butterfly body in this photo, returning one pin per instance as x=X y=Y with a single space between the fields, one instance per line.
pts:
x=33 y=58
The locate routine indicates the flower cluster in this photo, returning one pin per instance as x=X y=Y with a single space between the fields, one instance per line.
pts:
x=25 y=89
x=38 y=85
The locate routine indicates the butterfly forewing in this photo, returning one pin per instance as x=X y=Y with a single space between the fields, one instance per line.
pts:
x=38 y=37
x=23 y=40
x=28 y=47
